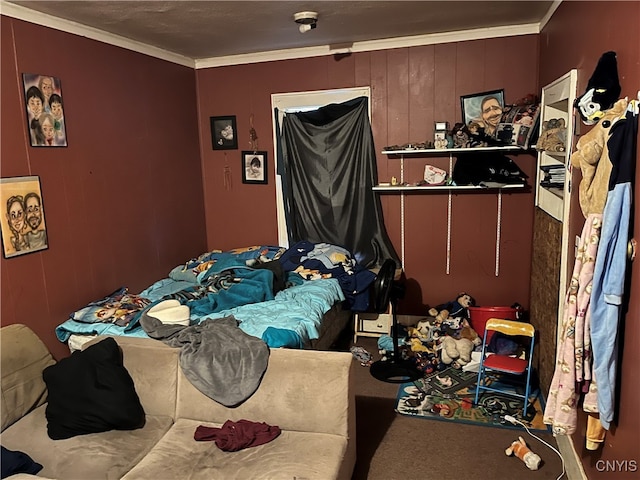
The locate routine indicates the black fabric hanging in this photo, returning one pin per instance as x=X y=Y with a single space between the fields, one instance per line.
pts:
x=330 y=169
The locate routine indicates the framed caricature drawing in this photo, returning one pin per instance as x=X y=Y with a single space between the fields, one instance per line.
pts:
x=23 y=222
x=483 y=108
x=45 y=111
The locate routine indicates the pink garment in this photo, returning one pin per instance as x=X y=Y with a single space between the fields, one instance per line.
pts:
x=572 y=375
x=234 y=436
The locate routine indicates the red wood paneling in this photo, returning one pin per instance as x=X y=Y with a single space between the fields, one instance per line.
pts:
x=411 y=88
x=563 y=46
x=124 y=201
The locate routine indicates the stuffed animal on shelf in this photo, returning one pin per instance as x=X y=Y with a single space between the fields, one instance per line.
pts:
x=553 y=137
x=519 y=449
x=455 y=352
x=460 y=136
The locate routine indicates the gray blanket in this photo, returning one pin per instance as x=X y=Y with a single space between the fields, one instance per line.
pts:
x=217 y=357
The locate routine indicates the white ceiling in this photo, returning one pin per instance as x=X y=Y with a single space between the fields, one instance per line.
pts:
x=209 y=33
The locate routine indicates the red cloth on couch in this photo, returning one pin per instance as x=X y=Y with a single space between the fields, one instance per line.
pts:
x=234 y=436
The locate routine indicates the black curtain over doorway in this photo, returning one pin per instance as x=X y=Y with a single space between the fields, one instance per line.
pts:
x=329 y=171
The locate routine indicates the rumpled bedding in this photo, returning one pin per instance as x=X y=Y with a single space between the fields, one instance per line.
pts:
x=241 y=283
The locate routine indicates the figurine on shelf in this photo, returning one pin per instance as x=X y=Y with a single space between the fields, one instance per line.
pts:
x=460 y=136
x=477 y=137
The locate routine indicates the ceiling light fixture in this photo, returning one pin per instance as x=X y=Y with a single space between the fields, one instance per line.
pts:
x=306 y=20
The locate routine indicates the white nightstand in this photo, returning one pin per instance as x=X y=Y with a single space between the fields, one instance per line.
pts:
x=378 y=324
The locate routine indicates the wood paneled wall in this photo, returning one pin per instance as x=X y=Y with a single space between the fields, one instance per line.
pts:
x=124 y=201
x=410 y=89
x=567 y=42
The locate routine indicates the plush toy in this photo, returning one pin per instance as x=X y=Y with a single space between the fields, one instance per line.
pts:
x=592 y=156
x=553 y=137
x=469 y=333
x=603 y=90
x=519 y=449
x=460 y=136
x=455 y=352
x=429 y=330
x=458 y=308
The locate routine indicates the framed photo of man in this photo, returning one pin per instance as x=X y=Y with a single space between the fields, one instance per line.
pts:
x=223 y=133
x=23 y=223
x=254 y=167
x=483 y=108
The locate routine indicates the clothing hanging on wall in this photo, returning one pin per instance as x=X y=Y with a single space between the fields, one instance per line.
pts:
x=572 y=375
x=608 y=294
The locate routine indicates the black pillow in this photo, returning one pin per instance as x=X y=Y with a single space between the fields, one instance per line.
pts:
x=12 y=462
x=91 y=391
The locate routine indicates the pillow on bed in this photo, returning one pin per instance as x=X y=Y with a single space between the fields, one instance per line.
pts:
x=91 y=391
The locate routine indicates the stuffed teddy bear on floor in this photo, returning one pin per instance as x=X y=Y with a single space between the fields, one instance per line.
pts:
x=455 y=352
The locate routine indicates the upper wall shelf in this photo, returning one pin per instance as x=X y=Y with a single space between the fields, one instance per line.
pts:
x=449 y=151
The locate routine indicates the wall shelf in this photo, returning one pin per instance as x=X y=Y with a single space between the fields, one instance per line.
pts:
x=451 y=151
x=557 y=102
x=403 y=189
x=440 y=188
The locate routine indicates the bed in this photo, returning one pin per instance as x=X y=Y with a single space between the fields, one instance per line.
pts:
x=299 y=297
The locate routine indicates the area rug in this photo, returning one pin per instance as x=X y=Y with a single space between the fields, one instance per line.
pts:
x=448 y=395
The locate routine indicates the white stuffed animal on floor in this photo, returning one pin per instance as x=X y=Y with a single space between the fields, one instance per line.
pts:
x=455 y=352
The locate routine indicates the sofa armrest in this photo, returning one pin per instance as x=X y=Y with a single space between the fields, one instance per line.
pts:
x=23 y=357
x=302 y=390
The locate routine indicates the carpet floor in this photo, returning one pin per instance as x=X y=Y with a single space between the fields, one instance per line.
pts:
x=393 y=446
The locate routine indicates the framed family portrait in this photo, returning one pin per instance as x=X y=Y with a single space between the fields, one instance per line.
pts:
x=254 y=167
x=45 y=111
x=484 y=107
x=223 y=133
x=23 y=223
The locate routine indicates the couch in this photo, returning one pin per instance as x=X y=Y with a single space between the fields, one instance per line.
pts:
x=306 y=393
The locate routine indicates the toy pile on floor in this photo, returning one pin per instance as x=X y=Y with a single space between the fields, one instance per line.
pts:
x=442 y=339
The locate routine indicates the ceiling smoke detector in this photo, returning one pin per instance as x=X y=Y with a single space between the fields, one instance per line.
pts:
x=306 y=20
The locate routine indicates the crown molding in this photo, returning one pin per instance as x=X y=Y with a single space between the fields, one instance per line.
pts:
x=28 y=15
x=370 y=45
x=21 y=13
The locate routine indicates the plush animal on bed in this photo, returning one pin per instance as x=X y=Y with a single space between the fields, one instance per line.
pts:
x=458 y=308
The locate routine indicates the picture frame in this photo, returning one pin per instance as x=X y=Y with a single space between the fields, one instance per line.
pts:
x=224 y=133
x=472 y=106
x=23 y=222
x=254 y=167
x=45 y=112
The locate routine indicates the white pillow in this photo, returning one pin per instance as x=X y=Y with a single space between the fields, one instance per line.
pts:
x=170 y=312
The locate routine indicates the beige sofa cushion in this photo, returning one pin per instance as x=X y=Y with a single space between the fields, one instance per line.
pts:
x=114 y=452
x=24 y=357
x=291 y=455
x=153 y=366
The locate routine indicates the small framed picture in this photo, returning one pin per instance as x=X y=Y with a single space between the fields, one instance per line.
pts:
x=45 y=113
x=484 y=108
x=223 y=133
x=23 y=225
x=254 y=167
